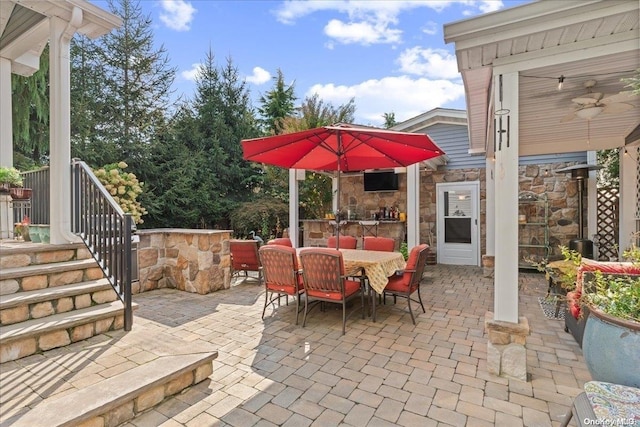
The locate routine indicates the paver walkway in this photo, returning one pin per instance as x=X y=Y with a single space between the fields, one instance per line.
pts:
x=272 y=372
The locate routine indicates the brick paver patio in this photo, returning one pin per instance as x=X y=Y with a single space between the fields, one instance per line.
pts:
x=272 y=372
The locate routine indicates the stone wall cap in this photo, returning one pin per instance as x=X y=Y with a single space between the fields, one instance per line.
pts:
x=181 y=231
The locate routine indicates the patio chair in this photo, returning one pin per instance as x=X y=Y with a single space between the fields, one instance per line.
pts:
x=244 y=257
x=325 y=281
x=346 y=242
x=406 y=282
x=281 y=275
x=282 y=241
x=383 y=244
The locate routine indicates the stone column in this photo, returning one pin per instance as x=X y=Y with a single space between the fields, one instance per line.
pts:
x=506 y=352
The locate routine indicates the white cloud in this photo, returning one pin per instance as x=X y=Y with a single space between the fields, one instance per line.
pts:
x=404 y=96
x=490 y=5
x=177 y=14
x=371 y=22
x=259 y=76
x=433 y=63
x=365 y=33
x=431 y=28
x=192 y=73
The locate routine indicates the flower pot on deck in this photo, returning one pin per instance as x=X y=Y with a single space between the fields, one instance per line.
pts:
x=611 y=347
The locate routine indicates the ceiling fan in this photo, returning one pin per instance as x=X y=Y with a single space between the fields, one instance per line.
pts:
x=591 y=104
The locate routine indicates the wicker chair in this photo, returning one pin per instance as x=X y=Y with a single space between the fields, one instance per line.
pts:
x=282 y=276
x=407 y=281
x=244 y=257
x=325 y=280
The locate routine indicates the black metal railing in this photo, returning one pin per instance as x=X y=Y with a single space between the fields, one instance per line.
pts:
x=38 y=181
x=105 y=229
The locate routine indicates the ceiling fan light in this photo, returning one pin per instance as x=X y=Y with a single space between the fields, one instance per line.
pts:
x=589 y=113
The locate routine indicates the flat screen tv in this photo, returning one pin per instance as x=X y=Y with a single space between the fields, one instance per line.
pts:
x=380 y=181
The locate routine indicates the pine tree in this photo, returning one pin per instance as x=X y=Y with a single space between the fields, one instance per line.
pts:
x=277 y=104
x=137 y=86
x=30 y=105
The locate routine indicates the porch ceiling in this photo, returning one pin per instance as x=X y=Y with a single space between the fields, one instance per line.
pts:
x=580 y=40
x=24 y=28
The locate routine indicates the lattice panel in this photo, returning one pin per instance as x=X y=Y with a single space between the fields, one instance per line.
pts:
x=608 y=211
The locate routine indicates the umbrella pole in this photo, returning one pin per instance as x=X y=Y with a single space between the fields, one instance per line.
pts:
x=338 y=192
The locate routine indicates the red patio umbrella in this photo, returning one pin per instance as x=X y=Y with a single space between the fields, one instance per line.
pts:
x=342 y=148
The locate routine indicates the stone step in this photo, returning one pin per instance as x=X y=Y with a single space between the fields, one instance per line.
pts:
x=21 y=254
x=39 y=303
x=118 y=399
x=51 y=268
x=32 y=277
x=32 y=336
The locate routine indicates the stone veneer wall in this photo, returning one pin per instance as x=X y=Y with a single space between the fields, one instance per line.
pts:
x=561 y=192
x=189 y=260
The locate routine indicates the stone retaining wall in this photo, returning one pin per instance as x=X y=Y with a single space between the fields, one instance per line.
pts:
x=189 y=260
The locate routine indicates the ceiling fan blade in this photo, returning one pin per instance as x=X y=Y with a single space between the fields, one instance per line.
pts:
x=619 y=97
x=588 y=98
x=568 y=117
x=618 y=107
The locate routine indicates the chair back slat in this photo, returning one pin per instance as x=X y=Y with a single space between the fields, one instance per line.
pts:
x=280 y=265
x=323 y=269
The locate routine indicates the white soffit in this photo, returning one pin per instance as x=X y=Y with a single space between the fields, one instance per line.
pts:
x=580 y=39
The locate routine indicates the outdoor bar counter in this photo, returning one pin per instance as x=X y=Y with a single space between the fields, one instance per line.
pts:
x=316 y=231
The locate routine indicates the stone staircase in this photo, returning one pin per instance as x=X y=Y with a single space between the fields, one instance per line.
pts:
x=56 y=297
x=52 y=296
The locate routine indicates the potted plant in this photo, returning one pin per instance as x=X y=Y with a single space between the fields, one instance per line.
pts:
x=9 y=177
x=611 y=342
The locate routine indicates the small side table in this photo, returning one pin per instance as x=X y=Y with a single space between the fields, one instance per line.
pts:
x=604 y=403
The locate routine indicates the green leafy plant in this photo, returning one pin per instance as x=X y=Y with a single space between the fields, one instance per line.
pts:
x=404 y=250
x=618 y=295
x=124 y=187
x=10 y=176
x=564 y=272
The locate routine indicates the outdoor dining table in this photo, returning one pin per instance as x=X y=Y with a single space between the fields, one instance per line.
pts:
x=378 y=267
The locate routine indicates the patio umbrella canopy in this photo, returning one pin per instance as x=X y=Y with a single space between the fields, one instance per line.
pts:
x=342 y=148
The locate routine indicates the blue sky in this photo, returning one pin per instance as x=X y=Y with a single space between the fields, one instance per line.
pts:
x=389 y=56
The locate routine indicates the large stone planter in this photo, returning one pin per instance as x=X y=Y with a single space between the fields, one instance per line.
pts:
x=611 y=348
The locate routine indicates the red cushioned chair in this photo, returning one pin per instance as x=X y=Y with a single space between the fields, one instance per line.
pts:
x=325 y=281
x=346 y=242
x=282 y=241
x=383 y=244
x=282 y=276
x=407 y=281
x=244 y=257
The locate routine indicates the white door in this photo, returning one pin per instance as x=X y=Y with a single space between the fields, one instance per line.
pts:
x=458 y=229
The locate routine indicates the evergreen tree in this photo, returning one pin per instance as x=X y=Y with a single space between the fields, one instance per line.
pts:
x=87 y=104
x=389 y=120
x=277 y=104
x=137 y=86
x=30 y=105
x=204 y=176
